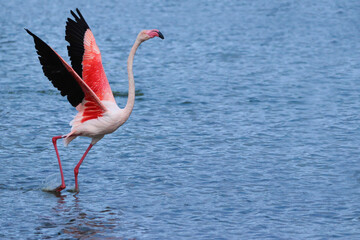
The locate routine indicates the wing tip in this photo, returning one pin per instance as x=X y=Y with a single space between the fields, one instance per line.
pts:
x=28 y=31
x=80 y=15
x=74 y=15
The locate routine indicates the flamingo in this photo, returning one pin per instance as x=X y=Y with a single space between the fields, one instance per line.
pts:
x=86 y=86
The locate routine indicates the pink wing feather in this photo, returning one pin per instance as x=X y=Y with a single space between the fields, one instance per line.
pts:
x=94 y=76
x=86 y=60
x=93 y=71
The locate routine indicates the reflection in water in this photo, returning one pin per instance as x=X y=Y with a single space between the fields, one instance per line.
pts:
x=73 y=221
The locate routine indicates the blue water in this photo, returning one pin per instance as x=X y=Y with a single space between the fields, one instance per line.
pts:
x=245 y=126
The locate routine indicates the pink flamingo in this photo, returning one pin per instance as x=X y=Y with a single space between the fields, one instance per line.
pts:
x=86 y=86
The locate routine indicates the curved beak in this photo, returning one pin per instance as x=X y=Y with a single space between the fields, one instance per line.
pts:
x=160 y=35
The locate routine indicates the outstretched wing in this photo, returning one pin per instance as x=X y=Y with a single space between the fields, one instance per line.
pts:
x=63 y=76
x=85 y=56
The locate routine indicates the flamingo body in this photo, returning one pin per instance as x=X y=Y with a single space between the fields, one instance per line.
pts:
x=85 y=84
x=95 y=126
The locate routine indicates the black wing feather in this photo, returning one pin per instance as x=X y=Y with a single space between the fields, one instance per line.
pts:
x=75 y=33
x=57 y=73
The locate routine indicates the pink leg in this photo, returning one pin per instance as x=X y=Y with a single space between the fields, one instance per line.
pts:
x=76 y=169
x=62 y=186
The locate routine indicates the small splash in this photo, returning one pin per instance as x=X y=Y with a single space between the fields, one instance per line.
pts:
x=51 y=183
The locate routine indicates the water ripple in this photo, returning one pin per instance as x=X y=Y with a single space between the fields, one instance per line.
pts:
x=245 y=124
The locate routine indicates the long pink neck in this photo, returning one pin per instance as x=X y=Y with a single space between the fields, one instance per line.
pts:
x=131 y=96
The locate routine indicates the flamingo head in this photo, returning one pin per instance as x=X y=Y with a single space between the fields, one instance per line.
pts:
x=148 y=34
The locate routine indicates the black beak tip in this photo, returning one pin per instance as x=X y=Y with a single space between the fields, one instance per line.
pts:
x=161 y=35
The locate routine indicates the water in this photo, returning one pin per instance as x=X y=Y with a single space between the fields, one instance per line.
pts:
x=245 y=126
